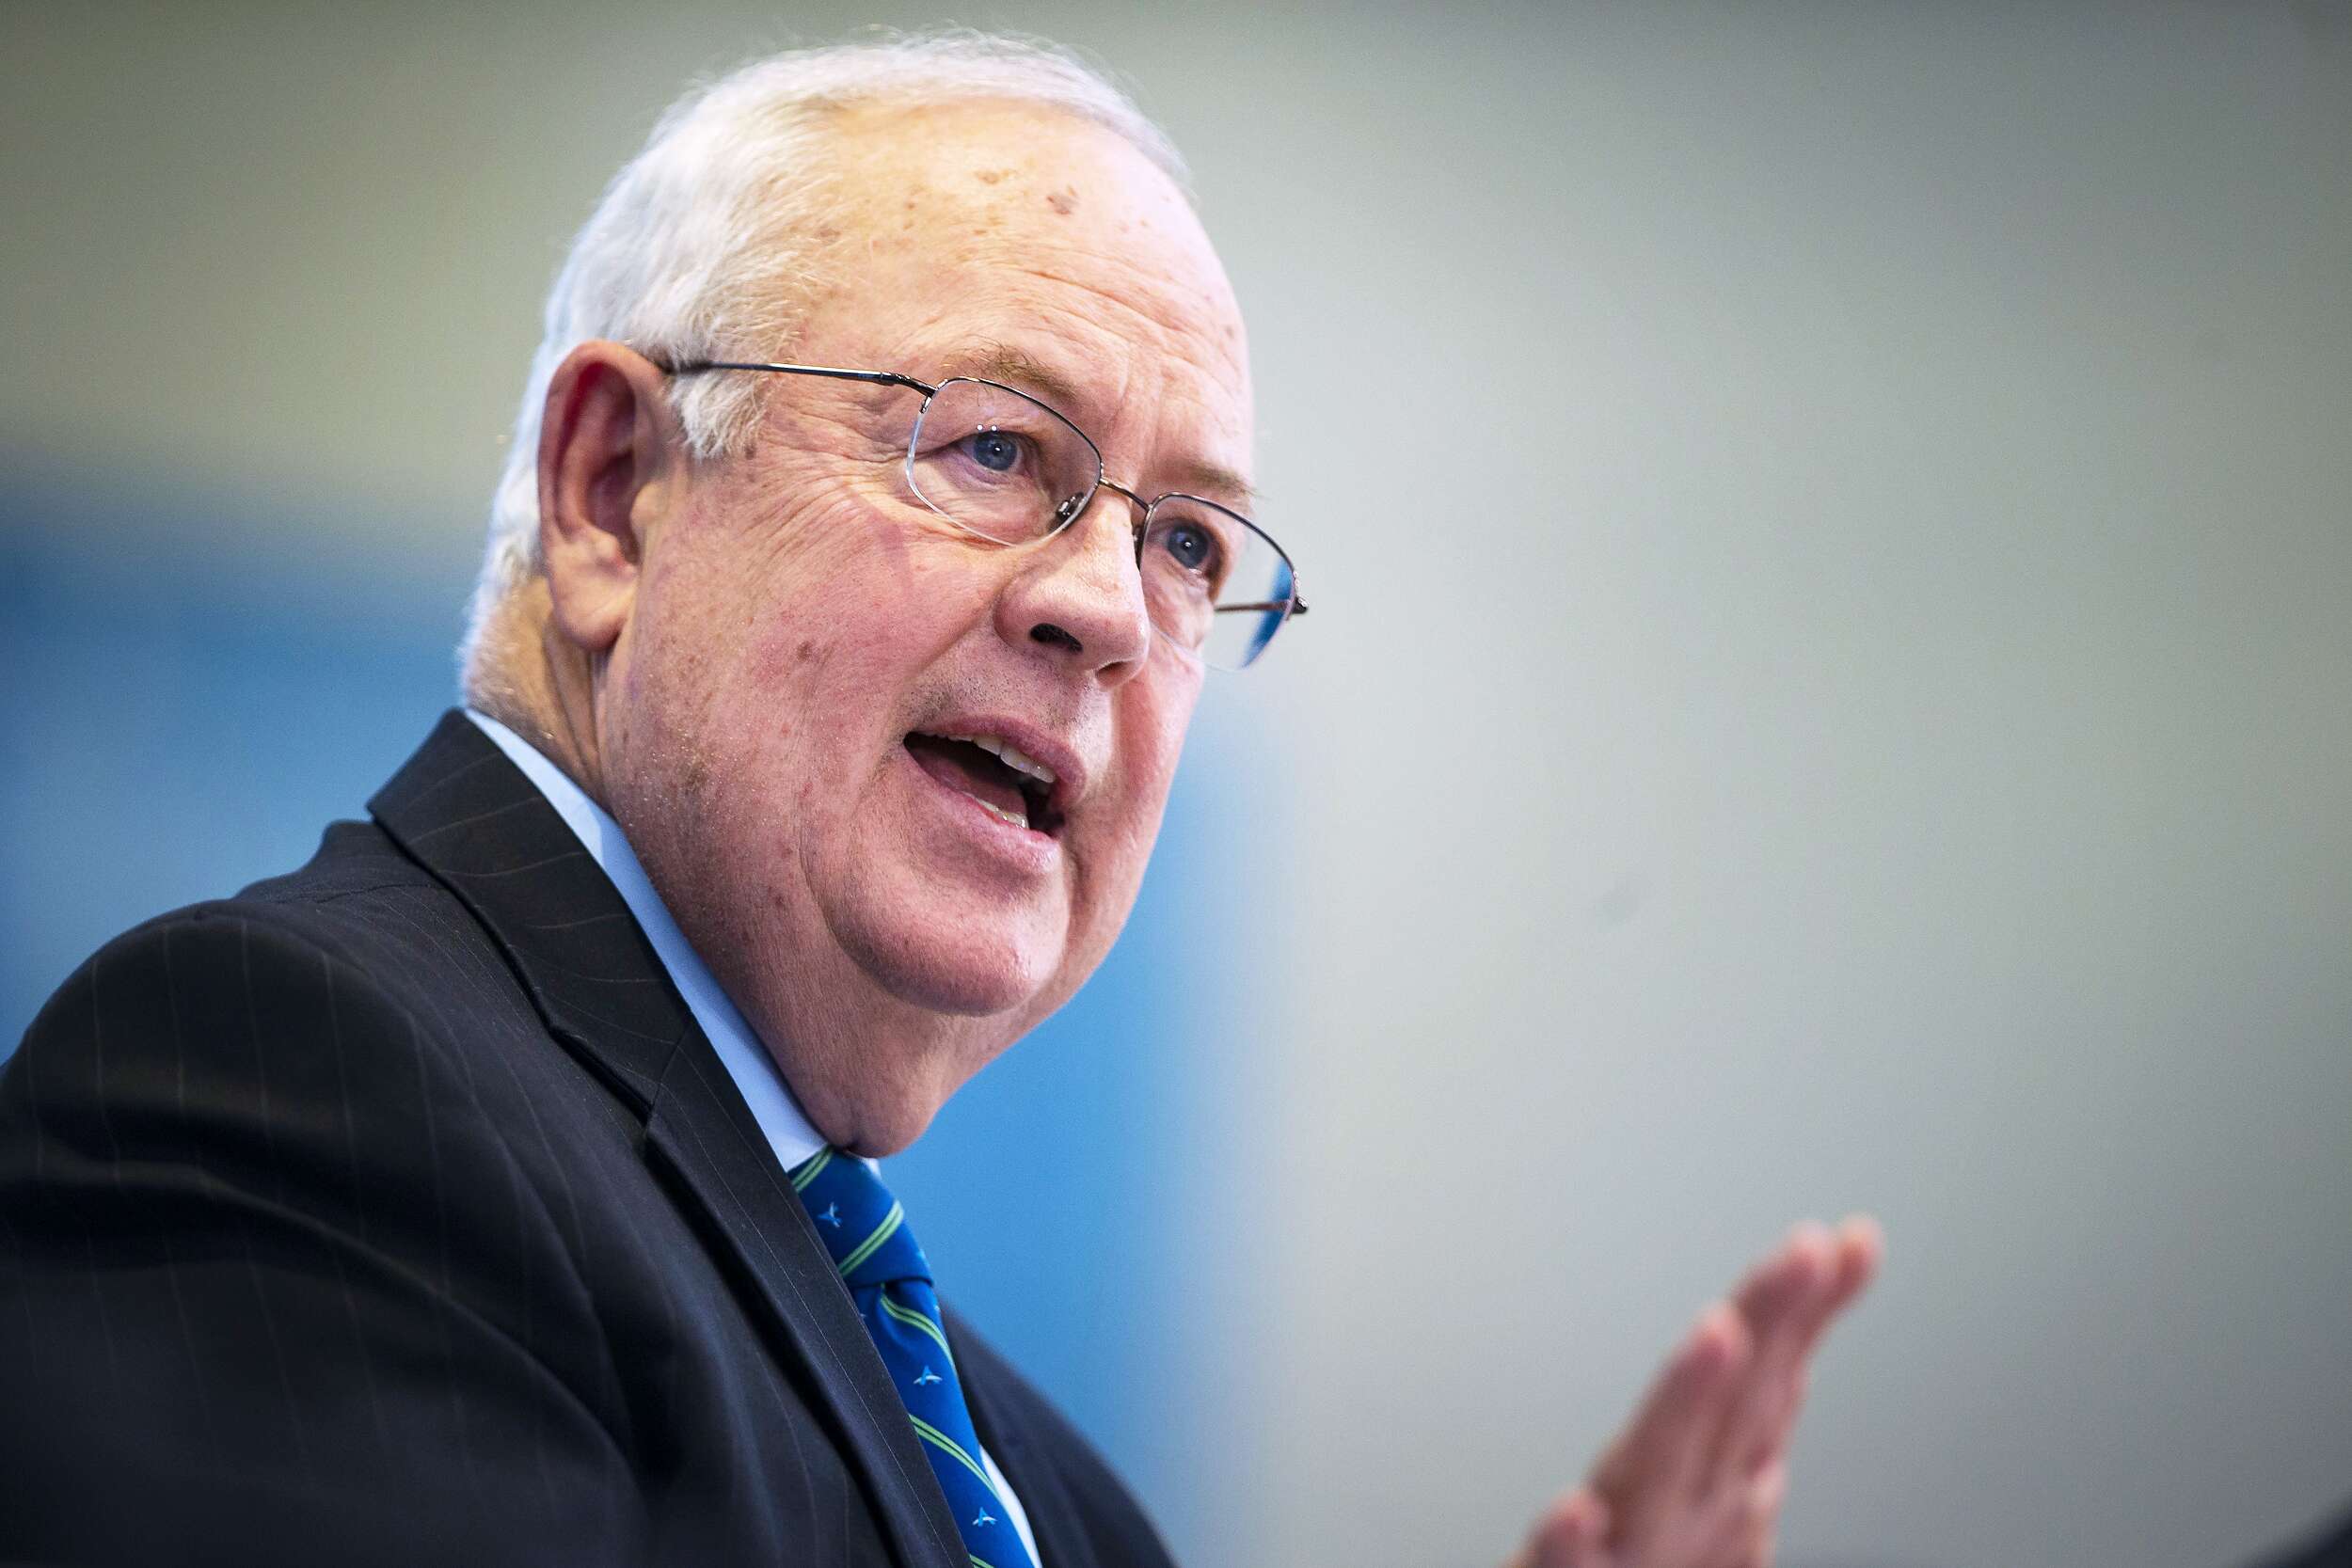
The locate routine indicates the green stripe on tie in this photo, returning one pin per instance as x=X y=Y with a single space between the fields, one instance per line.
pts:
x=807 y=1173
x=912 y=1318
x=978 y=1562
x=882 y=1232
x=947 y=1445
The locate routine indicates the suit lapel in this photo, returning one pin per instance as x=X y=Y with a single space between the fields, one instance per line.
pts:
x=477 y=824
x=470 y=817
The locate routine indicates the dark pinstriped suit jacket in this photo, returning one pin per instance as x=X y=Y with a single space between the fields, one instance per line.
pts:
x=396 y=1211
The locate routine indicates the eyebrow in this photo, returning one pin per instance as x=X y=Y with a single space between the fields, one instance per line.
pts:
x=1010 y=365
x=1215 y=481
x=1001 y=362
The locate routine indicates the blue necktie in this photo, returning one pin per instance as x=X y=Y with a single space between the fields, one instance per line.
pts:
x=890 y=1279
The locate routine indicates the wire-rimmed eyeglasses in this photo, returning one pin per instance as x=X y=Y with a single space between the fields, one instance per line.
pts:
x=998 y=464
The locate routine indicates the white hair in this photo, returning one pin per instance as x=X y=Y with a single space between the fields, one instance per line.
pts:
x=706 y=244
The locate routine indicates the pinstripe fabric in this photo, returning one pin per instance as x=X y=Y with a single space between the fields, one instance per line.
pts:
x=394 y=1210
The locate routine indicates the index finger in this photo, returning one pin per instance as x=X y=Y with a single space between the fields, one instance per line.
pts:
x=1776 y=1292
x=1805 y=1287
x=1860 y=1248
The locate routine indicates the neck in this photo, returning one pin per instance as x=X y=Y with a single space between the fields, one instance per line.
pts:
x=527 y=676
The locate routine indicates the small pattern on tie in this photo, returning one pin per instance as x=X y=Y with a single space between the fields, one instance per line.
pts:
x=865 y=1231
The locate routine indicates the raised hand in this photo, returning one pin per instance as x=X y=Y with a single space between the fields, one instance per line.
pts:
x=1695 y=1478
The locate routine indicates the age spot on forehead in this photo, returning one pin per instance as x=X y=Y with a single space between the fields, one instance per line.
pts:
x=989 y=176
x=1064 y=201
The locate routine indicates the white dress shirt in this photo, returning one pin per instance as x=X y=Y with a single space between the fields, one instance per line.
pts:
x=747 y=1061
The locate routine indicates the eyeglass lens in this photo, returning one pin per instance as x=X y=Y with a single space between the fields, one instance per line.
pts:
x=1006 y=468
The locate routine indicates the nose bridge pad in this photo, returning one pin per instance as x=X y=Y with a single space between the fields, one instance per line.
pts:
x=1056 y=636
x=1138 y=510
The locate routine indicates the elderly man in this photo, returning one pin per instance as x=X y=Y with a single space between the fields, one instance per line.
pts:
x=499 y=1186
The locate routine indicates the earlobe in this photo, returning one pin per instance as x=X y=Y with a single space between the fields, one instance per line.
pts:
x=603 y=444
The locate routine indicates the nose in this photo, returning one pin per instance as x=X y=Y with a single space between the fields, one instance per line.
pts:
x=1078 y=599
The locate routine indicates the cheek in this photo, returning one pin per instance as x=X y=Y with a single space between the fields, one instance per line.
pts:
x=1150 y=740
x=820 y=688
x=1159 y=713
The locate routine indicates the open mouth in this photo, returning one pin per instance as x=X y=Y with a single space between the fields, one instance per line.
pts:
x=1015 y=787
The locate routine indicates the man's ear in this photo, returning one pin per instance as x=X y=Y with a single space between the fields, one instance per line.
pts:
x=605 y=450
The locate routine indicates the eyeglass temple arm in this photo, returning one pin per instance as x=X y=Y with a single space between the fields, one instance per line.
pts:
x=879 y=378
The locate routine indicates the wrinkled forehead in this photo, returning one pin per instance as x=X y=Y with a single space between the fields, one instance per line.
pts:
x=985 y=223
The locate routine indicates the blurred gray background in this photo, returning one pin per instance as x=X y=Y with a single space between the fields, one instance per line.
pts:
x=1830 y=686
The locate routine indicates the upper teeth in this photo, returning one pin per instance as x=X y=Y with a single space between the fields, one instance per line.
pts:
x=1010 y=756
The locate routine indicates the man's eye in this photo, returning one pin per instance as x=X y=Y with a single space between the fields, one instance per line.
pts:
x=1194 y=548
x=998 y=450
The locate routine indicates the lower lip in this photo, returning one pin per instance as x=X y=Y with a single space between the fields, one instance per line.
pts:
x=1023 y=848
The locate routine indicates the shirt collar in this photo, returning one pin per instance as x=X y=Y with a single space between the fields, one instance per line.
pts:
x=747 y=1061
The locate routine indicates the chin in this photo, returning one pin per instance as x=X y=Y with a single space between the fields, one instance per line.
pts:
x=892 y=1130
